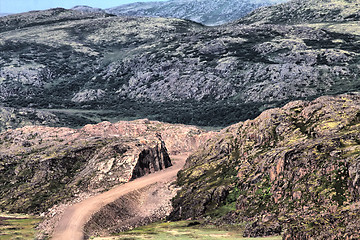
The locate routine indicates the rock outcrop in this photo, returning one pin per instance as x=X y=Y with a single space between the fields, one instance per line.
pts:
x=292 y=170
x=44 y=166
x=151 y=160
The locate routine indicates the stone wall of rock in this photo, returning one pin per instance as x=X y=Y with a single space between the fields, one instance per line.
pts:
x=292 y=170
x=151 y=160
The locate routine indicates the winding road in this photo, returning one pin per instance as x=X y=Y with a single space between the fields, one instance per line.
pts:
x=70 y=226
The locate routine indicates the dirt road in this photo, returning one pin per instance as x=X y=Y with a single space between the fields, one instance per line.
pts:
x=75 y=217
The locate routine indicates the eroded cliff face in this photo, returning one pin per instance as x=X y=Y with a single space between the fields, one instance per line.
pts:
x=293 y=170
x=43 y=166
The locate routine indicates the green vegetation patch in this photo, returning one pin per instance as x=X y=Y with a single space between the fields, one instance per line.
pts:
x=183 y=230
x=18 y=227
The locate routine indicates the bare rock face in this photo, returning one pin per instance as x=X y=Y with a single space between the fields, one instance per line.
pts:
x=292 y=170
x=152 y=160
x=44 y=166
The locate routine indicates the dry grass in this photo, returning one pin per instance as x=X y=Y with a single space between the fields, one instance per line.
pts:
x=182 y=231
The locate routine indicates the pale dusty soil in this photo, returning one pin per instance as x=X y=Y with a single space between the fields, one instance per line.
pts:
x=135 y=209
x=72 y=223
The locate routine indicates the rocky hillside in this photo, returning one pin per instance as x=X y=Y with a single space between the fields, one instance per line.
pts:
x=306 y=11
x=214 y=12
x=38 y=18
x=292 y=170
x=97 y=67
x=14 y=118
x=43 y=166
x=11 y=118
x=87 y=9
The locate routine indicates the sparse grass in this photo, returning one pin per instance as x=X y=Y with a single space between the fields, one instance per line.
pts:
x=92 y=116
x=183 y=230
x=17 y=227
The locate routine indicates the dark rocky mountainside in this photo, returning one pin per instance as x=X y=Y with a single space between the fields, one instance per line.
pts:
x=91 y=67
x=293 y=170
x=214 y=12
x=43 y=166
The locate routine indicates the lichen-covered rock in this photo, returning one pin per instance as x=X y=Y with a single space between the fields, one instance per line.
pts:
x=293 y=169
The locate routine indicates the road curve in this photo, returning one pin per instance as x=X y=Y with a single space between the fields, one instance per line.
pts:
x=70 y=226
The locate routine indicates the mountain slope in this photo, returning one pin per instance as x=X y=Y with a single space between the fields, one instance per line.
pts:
x=14 y=118
x=292 y=170
x=306 y=11
x=167 y=69
x=206 y=12
x=46 y=17
x=87 y=9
